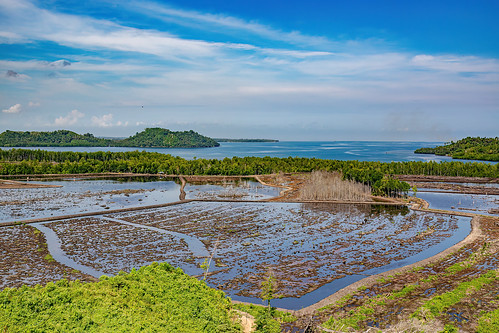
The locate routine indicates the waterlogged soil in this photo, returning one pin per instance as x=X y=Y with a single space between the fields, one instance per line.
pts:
x=76 y=195
x=421 y=285
x=108 y=246
x=24 y=261
x=243 y=189
x=304 y=245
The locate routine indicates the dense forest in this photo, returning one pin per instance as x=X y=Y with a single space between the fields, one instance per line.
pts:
x=160 y=137
x=485 y=149
x=375 y=174
x=150 y=137
x=61 y=138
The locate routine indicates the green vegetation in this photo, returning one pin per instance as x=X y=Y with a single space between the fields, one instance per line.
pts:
x=375 y=174
x=150 y=137
x=155 y=298
x=160 y=137
x=266 y=321
x=245 y=140
x=61 y=138
x=439 y=303
x=489 y=322
x=486 y=149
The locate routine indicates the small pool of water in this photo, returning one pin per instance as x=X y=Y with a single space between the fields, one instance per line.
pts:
x=471 y=203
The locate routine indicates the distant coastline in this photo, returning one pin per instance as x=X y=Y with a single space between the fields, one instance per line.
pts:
x=149 y=138
x=244 y=140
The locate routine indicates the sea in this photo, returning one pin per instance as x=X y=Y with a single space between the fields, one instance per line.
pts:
x=383 y=151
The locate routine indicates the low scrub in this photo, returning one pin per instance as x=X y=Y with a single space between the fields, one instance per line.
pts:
x=155 y=298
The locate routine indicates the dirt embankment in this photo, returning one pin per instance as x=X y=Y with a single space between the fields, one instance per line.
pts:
x=448 y=179
x=13 y=184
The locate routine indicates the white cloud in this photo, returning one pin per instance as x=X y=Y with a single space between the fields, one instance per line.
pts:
x=70 y=119
x=226 y=24
x=106 y=120
x=13 y=109
x=33 y=104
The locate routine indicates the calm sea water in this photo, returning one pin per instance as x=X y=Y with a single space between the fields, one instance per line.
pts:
x=384 y=151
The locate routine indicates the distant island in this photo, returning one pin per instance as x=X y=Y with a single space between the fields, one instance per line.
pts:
x=149 y=138
x=245 y=140
x=484 y=149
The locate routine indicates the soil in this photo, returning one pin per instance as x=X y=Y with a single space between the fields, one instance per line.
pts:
x=12 y=184
x=479 y=252
x=23 y=259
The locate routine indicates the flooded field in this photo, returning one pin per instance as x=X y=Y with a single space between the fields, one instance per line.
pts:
x=244 y=189
x=74 y=195
x=25 y=259
x=311 y=248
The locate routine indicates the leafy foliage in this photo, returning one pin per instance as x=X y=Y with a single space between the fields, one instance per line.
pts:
x=266 y=321
x=374 y=174
x=486 y=149
x=150 y=137
x=61 y=138
x=155 y=298
x=160 y=137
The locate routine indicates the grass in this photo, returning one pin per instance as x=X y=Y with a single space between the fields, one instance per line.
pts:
x=439 y=303
x=489 y=322
x=155 y=298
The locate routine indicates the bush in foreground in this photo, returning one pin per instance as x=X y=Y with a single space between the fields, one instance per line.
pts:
x=155 y=298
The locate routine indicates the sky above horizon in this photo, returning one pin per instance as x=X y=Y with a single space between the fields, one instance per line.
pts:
x=289 y=70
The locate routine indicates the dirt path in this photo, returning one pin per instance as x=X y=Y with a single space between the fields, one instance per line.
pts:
x=13 y=184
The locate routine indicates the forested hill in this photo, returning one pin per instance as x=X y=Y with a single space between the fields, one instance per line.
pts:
x=485 y=149
x=160 y=137
x=150 y=137
x=61 y=138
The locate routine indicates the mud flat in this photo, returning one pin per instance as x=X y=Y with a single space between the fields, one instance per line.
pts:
x=25 y=260
x=73 y=195
x=397 y=300
x=305 y=245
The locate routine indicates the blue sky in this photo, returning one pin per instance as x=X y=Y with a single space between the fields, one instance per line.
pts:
x=290 y=70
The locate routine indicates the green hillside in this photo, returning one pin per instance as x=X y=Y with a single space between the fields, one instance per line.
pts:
x=486 y=149
x=150 y=137
x=160 y=137
x=155 y=298
x=60 y=138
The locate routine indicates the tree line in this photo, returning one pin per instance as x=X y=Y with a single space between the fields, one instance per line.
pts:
x=470 y=148
x=376 y=174
x=150 y=137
